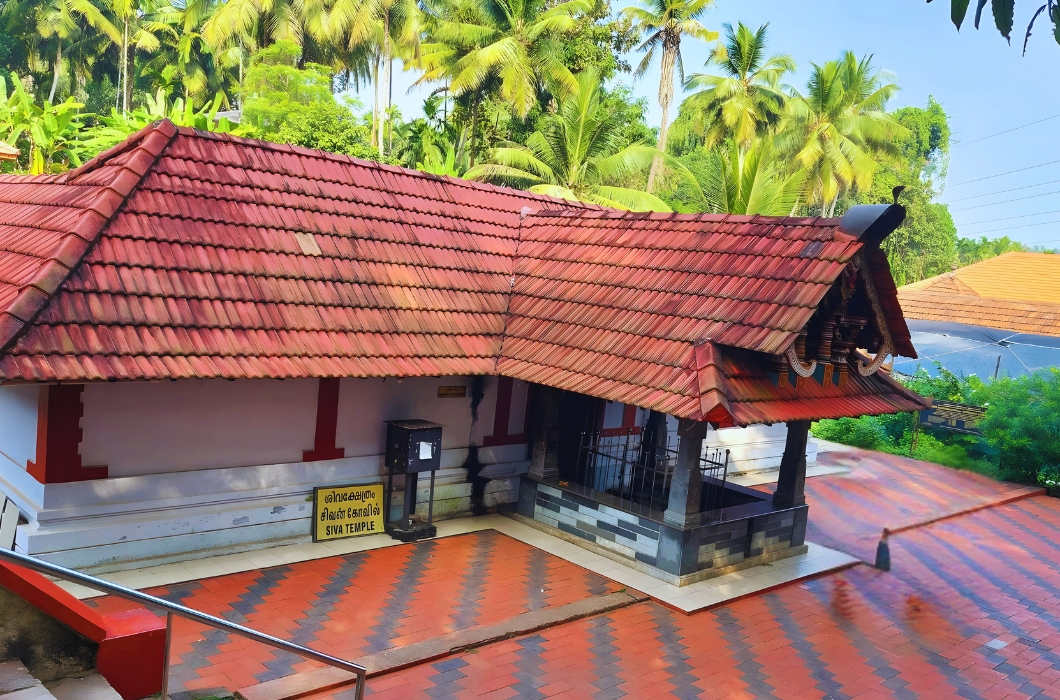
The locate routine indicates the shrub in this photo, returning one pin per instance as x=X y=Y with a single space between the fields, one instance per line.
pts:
x=1049 y=476
x=1023 y=422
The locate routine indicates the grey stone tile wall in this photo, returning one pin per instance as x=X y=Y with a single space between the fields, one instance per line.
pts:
x=623 y=533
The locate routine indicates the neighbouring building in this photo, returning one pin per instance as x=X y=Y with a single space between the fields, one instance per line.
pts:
x=995 y=317
x=197 y=329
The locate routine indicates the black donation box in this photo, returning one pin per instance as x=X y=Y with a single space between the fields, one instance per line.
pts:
x=412 y=447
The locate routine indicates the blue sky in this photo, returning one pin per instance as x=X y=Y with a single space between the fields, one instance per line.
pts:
x=985 y=86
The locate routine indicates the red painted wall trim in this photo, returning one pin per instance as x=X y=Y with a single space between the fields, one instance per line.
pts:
x=501 y=417
x=629 y=416
x=327 y=422
x=131 y=642
x=58 y=460
x=629 y=423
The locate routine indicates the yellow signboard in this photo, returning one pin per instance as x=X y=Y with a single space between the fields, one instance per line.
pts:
x=347 y=511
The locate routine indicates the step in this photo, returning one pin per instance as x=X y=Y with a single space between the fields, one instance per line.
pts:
x=90 y=687
x=16 y=683
x=310 y=683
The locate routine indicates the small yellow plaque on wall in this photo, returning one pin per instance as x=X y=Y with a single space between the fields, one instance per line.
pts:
x=347 y=511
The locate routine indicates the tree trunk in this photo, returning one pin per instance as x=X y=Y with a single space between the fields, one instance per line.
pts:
x=389 y=103
x=386 y=80
x=125 y=68
x=831 y=207
x=55 y=72
x=375 y=104
x=474 y=133
x=671 y=45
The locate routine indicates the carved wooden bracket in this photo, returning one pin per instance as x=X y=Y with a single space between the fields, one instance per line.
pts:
x=796 y=364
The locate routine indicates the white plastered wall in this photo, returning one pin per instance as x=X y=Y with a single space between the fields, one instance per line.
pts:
x=18 y=445
x=364 y=405
x=138 y=428
x=215 y=466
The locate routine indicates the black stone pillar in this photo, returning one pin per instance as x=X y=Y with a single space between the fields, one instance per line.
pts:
x=791 y=487
x=686 y=484
x=544 y=433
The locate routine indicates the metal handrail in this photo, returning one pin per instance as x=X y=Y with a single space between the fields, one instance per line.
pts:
x=172 y=609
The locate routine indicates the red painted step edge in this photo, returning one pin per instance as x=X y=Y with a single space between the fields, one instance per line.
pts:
x=132 y=643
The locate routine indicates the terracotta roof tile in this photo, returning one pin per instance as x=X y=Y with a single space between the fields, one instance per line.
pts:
x=211 y=256
x=1017 y=292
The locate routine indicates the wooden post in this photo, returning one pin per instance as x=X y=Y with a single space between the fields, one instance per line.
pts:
x=791 y=487
x=686 y=484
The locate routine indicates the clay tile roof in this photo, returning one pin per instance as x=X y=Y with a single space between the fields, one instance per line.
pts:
x=182 y=254
x=1015 y=292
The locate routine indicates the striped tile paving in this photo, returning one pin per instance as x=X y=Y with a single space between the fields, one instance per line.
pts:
x=363 y=603
x=849 y=511
x=969 y=611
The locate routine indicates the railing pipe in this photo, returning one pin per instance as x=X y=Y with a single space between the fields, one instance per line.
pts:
x=171 y=609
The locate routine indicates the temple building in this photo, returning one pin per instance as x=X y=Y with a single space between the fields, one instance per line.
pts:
x=196 y=330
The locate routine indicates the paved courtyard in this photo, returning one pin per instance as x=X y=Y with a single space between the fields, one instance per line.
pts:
x=970 y=609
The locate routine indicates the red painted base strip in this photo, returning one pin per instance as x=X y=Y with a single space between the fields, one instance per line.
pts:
x=131 y=642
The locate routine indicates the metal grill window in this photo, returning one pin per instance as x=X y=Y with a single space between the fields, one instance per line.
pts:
x=639 y=474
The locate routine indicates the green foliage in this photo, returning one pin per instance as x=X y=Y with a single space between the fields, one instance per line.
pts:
x=275 y=88
x=328 y=126
x=1021 y=427
x=1004 y=16
x=738 y=181
x=599 y=42
x=1023 y=421
x=745 y=101
x=925 y=244
x=1049 y=476
x=858 y=432
x=577 y=154
x=49 y=135
x=115 y=128
x=973 y=250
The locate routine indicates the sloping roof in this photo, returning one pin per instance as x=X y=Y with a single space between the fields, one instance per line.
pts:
x=8 y=152
x=1015 y=292
x=182 y=254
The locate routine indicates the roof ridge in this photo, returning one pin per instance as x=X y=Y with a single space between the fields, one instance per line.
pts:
x=386 y=167
x=34 y=296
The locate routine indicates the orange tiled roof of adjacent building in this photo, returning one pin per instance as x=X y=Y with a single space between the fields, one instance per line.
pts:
x=1015 y=291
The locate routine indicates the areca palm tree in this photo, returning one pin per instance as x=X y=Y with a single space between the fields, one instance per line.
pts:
x=133 y=25
x=666 y=22
x=835 y=130
x=577 y=155
x=746 y=100
x=384 y=28
x=514 y=44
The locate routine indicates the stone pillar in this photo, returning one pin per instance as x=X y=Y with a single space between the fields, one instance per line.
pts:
x=791 y=487
x=544 y=433
x=686 y=484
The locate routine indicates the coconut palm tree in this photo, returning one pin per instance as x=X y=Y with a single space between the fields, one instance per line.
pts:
x=750 y=179
x=746 y=100
x=513 y=44
x=835 y=130
x=262 y=22
x=665 y=22
x=577 y=155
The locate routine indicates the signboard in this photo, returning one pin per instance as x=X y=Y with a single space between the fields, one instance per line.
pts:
x=957 y=417
x=347 y=511
x=452 y=392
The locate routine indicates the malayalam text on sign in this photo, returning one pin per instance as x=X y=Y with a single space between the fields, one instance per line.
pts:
x=347 y=511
